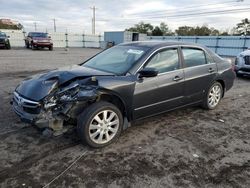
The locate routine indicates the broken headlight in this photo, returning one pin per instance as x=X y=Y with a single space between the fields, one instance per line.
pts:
x=75 y=92
x=68 y=93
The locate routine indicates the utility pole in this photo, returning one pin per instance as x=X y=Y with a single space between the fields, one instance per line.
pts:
x=54 y=20
x=93 y=19
x=35 y=25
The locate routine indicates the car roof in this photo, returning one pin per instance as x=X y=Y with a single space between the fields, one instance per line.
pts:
x=159 y=44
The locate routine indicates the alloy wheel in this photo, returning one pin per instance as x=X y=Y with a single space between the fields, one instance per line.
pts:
x=214 y=96
x=104 y=126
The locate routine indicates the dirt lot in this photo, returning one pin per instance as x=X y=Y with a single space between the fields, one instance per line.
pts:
x=185 y=148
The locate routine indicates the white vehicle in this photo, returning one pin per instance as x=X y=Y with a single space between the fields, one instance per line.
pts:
x=242 y=63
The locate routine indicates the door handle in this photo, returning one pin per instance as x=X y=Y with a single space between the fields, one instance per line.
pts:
x=211 y=70
x=177 y=78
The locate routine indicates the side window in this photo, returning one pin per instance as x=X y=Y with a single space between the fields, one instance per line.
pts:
x=165 y=61
x=193 y=57
x=209 y=58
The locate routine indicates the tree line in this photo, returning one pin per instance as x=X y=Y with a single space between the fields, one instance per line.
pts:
x=242 y=28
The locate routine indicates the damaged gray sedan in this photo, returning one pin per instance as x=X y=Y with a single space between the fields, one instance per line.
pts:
x=102 y=96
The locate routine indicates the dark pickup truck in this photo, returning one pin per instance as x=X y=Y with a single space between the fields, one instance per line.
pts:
x=37 y=40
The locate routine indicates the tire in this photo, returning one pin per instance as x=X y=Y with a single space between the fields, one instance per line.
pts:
x=8 y=46
x=51 y=48
x=33 y=47
x=93 y=132
x=213 y=96
x=239 y=75
x=27 y=45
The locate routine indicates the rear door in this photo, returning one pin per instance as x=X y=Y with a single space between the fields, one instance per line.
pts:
x=200 y=71
x=163 y=92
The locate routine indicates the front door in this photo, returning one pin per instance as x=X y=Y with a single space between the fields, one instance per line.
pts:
x=163 y=92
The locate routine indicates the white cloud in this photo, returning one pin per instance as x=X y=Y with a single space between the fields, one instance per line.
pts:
x=76 y=15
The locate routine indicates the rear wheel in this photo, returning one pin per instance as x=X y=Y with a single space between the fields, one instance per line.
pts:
x=100 y=124
x=214 y=96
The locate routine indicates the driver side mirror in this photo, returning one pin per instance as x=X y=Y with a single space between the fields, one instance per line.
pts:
x=148 y=72
x=8 y=36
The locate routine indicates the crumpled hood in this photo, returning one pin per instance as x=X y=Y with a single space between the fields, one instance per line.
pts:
x=39 y=86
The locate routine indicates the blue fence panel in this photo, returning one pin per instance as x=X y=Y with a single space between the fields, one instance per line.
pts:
x=223 y=45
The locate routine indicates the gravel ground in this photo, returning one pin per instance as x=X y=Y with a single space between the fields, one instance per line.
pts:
x=190 y=147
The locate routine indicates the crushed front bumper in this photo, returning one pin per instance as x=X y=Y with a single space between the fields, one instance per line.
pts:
x=35 y=115
x=26 y=109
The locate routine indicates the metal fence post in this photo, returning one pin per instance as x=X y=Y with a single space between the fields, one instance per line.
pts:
x=196 y=39
x=99 y=41
x=66 y=40
x=83 y=40
x=245 y=42
x=24 y=37
x=217 y=43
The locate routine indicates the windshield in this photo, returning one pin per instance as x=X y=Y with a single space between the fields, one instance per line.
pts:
x=43 y=35
x=2 y=35
x=117 y=60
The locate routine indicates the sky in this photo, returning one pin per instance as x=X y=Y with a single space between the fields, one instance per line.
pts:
x=115 y=15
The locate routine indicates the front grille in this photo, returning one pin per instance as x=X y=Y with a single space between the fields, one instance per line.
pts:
x=247 y=60
x=31 y=107
x=2 y=41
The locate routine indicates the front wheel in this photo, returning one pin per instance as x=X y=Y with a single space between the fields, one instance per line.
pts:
x=239 y=75
x=100 y=124
x=27 y=45
x=33 y=47
x=213 y=96
x=8 y=46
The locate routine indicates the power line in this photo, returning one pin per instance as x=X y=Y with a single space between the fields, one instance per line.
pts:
x=193 y=14
x=125 y=23
x=189 y=7
x=189 y=11
x=210 y=12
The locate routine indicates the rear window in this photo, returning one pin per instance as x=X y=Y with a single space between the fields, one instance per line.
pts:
x=193 y=57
